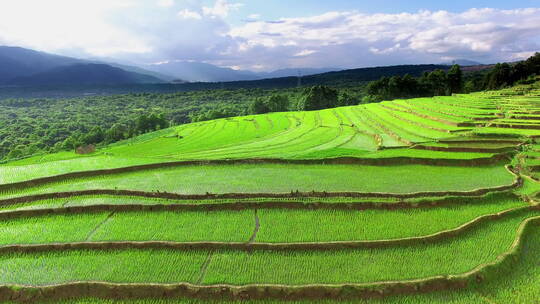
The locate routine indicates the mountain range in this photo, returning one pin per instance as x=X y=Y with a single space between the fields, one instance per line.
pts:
x=25 y=67
x=84 y=74
x=463 y=62
x=205 y=72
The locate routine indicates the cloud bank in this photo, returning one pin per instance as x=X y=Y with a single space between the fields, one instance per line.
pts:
x=356 y=39
x=166 y=30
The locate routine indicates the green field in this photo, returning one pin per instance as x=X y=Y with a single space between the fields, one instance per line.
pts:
x=427 y=200
x=280 y=178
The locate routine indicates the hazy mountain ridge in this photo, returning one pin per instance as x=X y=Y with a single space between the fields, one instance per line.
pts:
x=20 y=66
x=201 y=72
x=84 y=74
x=297 y=72
x=463 y=62
x=20 y=62
x=205 y=72
x=26 y=67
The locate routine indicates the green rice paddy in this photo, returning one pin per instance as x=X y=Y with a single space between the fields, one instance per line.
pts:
x=277 y=220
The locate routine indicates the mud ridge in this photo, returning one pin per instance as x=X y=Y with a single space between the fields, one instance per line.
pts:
x=249 y=246
x=28 y=293
x=342 y=160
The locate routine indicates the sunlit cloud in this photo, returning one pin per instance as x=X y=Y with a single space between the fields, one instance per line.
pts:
x=221 y=8
x=305 y=53
x=483 y=34
x=146 y=31
x=166 y=3
x=188 y=14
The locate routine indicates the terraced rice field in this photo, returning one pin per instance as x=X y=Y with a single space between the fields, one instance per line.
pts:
x=431 y=200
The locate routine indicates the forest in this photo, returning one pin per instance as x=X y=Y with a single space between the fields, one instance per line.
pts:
x=439 y=82
x=33 y=126
x=30 y=126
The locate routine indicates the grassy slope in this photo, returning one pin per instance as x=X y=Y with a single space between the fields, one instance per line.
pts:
x=238 y=226
x=92 y=200
x=370 y=265
x=347 y=131
x=281 y=178
x=350 y=131
x=338 y=225
x=454 y=256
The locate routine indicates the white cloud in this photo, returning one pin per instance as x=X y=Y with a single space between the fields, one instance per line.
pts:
x=305 y=53
x=77 y=26
x=488 y=34
x=148 y=31
x=123 y=30
x=166 y=3
x=221 y=8
x=188 y=14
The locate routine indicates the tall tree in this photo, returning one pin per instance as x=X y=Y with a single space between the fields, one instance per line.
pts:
x=455 y=79
x=438 y=82
x=258 y=106
x=277 y=103
x=499 y=77
x=318 y=98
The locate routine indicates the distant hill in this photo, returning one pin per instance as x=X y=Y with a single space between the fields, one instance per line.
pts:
x=205 y=72
x=338 y=78
x=20 y=62
x=200 y=72
x=463 y=62
x=370 y=74
x=295 y=72
x=18 y=65
x=84 y=74
x=136 y=69
x=354 y=77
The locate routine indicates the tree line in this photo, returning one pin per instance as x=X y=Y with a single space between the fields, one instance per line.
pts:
x=40 y=125
x=433 y=83
x=439 y=82
x=312 y=98
x=31 y=126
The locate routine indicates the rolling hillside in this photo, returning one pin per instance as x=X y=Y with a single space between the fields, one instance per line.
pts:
x=84 y=74
x=205 y=72
x=20 y=66
x=20 y=62
x=431 y=200
x=346 y=78
x=337 y=78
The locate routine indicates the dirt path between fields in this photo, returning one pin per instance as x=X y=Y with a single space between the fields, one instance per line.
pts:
x=257 y=226
x=107 y=219
x=204 y=267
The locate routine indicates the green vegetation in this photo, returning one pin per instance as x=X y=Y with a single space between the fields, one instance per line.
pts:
x=367 y=265
x=321 y=226
x=291 y=267
x=245 y=178
x=38 y=126
x=177 y=226
x=93 y=200
x=275 y=226
x=49 y=229
x=115 y=266
x=438 y=83
x=257 y=204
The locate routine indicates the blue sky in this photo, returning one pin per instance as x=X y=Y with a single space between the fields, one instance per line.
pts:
x=272 y=9
x=273 y=34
